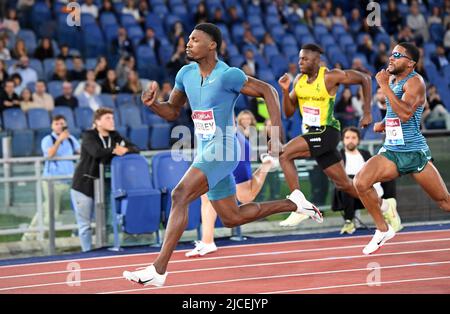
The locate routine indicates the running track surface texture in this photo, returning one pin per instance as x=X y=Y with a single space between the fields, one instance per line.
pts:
x=415 y=261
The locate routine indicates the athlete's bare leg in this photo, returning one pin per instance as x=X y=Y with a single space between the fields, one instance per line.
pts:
x=295 y=148
x=376 y=169
x=431 y=181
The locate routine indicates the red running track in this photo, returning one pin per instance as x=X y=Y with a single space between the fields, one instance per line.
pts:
x=412 y=262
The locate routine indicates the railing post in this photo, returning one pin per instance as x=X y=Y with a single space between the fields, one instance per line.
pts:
x=51 y=218
x=6 y=147
x=99 y=198
x=37 y=171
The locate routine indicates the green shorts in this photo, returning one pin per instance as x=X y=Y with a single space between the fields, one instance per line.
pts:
x=407 y=162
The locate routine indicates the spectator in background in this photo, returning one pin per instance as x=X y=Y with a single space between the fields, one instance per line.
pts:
x=435 y=17
x=8 y=98
x=201 y=16
x=3 y=74
x=110 y=85
x=439 y=59
x=10 y=22
x=143 y=12
x=41 y=98
x=20 y=50
x=60 y=73
x=338 y=18
x=18 y=86
x=107 y=7
x=324 y=19
x=250 y=62
x=249 y=39
x=131 y=9
x=177 y=32
x=4 y=51
x=355 y=21
x=124 y=66
x=437 y=110
x=78 y=73
x=99 y=145
x=246 y=122
x=178 y=59
x=416 y=21
x=393 y=17
x=366 y=47
x=381 y=59
x=66 y=99
x=420 y=67
x=267 y=41
x=309 y=18
x=89 y=7
x=447 y=39
x=26 y=100
x=224 y=53
x=218 y=17
x=64 y=52
x=122 y=44
x=90 y=77
x=151 y=41
x=27 y=74
x=44 y=50
x=133 y=85
x=60 y=143
x=358 y=65
x=233 y=15
x=89 y=98
x=344 y=110
x=101 y=68
x=406 y=35
x=292 y=71
x=295 y=9
x=380 y=101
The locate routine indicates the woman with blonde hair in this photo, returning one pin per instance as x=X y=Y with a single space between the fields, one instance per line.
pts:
x=245 y=121
x=20 y=50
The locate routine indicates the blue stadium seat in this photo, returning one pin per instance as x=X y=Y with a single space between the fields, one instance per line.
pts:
x=90 y=63
x=135 y=33
x=87 y=19
x=14 y=119
x=83 y=117
x=290 y=51
x=107 y=101
x=272 y=21
x=237 y=33
x=107 y=18
x=94 y=43
x=279 y=65
x=40 y=13
x=22 y=143
x=301 y=30
x=167 y=173
x=319 y=30
x=258 y=32
x=38 y=118
x=270 y=50
x=308 y=39
x=255 y=20
x=128 y=20
x=124 y=99
x=160 y=135
x=289 y=40
x=55 y=88
x=160 y=10
x=265 y=75
x=136 y=204
x=130 y=116
x=30 y=40
x=437 y=33
x=165 y=53
x=237 y=61
x=37 y=65
x=145 y=56
x=49 y=66
x=338 y=30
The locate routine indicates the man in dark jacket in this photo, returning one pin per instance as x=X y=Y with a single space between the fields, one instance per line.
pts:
x=354 y=159
x=99 y=145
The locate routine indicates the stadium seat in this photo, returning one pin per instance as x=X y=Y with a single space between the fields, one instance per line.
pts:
x=160 y=135
x=83 y=117
x=14 y=119
x=130 y=116
x=30 y=40
x=68 y=115
x=38 y=119
x=22 y=143
x=124 y=99
x=168 y=168
x=55 y=88
x=136 y=204
x=107 y=101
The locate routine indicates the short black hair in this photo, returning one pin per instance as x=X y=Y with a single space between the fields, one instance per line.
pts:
x=213 y=31
x=351 y=129
x=412 y=50
x=313 y=47
x=58 y=117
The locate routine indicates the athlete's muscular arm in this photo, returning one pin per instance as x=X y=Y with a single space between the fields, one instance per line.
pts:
x=347 y=77
x=413 y=97
x=290 y=100
x=169 y=110
x=256 y=88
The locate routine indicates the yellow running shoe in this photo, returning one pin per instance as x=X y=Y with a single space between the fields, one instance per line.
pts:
x=349 y=227
x=391 y=215
x=293 y=220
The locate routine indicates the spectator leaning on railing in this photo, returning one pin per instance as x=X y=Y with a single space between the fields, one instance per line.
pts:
x=99 y=145
x=57 y=144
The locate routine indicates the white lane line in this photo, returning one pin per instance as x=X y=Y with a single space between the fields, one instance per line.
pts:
x=224 y=247
x=361 y=284
x=233 y=267
x=222 y=257
x=280 y=276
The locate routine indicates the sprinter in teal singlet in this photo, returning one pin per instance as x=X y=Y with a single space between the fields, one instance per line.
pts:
x=211 y=87
x=405 y=150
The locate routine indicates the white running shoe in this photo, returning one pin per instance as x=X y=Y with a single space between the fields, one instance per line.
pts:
x=202 y=248
x=305 y=207
x=146 y=276
x=293 y=220
x=378 y=240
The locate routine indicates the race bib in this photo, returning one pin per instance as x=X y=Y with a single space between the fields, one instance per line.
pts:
x=311 y=116
x=204 y=123
x=394 y=133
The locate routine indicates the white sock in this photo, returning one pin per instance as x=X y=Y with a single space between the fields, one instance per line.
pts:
x=384 y=205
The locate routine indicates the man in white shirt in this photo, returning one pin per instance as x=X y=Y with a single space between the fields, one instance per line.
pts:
x=88 y=98
x=41 y=98
x=90 y=8
x=28 y=75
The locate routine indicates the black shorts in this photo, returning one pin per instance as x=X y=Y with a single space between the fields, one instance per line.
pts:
x=323 y=142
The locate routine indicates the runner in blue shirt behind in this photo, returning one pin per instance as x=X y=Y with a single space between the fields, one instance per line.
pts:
x=212 y=88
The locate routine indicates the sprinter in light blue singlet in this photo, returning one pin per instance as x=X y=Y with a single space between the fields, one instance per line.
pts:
x=211 y=87
x=405 y=150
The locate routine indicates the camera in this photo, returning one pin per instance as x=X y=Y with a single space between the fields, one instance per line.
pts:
x=64 y=128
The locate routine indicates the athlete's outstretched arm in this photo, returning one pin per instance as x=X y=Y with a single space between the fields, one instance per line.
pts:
x=413 y=97
x=290 y=100
x=256 y=88
x=349 y=77
x=169 y=110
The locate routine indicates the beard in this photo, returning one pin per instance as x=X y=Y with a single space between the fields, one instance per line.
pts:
x=350 y=147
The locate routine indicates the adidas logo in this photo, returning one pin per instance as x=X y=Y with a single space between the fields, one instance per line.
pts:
x=315 y=139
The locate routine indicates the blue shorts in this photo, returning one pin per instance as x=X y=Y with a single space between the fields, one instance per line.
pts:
x=217 y=160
